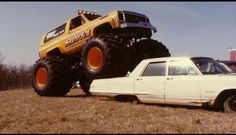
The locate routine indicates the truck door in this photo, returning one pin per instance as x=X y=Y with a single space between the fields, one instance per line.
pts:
x=182 y=83
x=77 y=34
x=149 y=86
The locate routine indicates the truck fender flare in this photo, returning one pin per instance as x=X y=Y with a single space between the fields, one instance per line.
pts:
x=54 y=52
x=102 y=28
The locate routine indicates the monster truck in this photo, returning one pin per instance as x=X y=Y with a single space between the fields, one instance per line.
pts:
x=91 y=46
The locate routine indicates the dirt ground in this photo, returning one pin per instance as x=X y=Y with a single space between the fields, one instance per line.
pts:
x=23 y=111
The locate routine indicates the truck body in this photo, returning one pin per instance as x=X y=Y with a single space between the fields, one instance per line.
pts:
x=70 y=40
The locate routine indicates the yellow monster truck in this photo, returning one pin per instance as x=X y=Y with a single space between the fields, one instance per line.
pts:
x=90 y=46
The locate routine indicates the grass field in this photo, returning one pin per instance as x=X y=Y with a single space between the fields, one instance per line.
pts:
x=23 y=111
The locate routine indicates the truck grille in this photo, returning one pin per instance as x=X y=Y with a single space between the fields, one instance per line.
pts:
x=132 y=17
x=135 y=19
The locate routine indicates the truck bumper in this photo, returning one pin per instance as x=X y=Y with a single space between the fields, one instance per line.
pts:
x=139 y=24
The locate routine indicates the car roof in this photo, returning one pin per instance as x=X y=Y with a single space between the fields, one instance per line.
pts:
x=228 y=62
x=164 y=59
x=174 y=58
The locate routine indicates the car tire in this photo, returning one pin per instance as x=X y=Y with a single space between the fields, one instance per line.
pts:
x=230 y=104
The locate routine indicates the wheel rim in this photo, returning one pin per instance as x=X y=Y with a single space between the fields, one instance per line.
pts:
x=95 y=58
x=42 y=76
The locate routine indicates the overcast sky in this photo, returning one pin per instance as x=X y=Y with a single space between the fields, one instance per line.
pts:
x=186 y=28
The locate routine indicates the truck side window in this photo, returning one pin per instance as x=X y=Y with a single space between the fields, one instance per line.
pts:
x=76 y=22
x=55 y=33
x=177 y=68
x=155 y=69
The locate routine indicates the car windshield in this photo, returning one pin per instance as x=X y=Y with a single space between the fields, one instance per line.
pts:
x=91 y=16
x=209 y=66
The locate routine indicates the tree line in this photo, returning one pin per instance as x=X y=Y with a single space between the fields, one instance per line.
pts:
x=14 y=77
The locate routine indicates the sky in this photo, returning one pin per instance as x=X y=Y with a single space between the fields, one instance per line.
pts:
x=186 y=28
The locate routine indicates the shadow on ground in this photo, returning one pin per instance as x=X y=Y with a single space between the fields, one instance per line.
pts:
x=207 y=108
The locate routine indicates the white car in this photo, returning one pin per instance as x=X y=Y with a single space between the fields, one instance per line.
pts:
x=194 y=81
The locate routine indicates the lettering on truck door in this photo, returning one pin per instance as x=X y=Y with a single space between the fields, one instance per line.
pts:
x=76 y=33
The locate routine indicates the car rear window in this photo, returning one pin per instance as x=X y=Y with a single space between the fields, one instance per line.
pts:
x=177 y=68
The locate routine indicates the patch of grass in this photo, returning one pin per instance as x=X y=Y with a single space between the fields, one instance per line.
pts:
x=23 y=111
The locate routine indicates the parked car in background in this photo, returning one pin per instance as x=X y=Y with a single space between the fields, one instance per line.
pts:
x=197 y=81
x=229 y=63
x=226 y=67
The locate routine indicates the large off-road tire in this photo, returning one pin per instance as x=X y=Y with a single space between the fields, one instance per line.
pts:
x=149 y=48
x=103 y=57
x=85 y=84
x=230 y=104
x=49 y=77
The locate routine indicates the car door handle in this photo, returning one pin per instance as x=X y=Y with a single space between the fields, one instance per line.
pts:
x=139 y=79
x=169 y=78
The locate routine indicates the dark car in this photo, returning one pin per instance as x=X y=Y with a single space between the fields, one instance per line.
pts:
x=229 y=63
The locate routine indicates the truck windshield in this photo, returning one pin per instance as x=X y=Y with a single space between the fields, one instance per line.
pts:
x=91 y=17
x=209 y=66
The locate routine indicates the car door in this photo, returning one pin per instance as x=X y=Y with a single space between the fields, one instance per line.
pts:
x=149 y=86
x=182 y=83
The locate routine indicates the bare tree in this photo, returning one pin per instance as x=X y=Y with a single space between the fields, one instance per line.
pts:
x=2 y=73
x=12 y=76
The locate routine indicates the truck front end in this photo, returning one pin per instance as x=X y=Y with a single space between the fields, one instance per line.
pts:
x=136 y=24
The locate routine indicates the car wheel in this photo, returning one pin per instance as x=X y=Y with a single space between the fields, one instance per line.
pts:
x=230 y=104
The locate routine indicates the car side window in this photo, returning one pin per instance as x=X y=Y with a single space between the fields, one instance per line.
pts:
x=76 y=22
x=177 y=68
x=155 y=69
x=191 y=71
